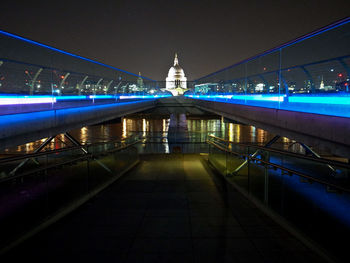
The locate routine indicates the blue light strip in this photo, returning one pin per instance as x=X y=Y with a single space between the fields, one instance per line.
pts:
x=13 y=100
x=143 y=96
x=324 y=104
x=321 y=99
x=69 y=54
x=36 y=99
x=77 y=97
x=259 y=97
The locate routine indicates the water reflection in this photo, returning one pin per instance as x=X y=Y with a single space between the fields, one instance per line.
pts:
x=198 y=129
x=124 y=128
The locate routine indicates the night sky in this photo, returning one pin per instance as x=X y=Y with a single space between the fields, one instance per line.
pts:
x=138 y=35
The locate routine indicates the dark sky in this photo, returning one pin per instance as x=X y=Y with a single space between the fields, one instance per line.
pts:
x=141 y=35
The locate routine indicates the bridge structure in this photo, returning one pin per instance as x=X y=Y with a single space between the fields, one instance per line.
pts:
x=298 y=90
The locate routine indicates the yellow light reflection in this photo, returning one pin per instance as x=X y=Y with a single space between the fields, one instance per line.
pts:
x=238 y=132
x=286 y=140
x=230 y=132
x=84 y=134
x=260 y=136
x=164 y=126
x=222 y=128
x=252 y=134
x=144 y=124
x=124 y=128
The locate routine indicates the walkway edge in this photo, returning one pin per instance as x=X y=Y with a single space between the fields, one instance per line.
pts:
x=65 y=211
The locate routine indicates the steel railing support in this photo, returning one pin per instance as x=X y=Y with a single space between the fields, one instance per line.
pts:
x=308 y=150
x=85 y=151
x=268 y=144
x=42 y=146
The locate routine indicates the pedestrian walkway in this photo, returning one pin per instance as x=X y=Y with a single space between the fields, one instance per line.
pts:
x=167 y=209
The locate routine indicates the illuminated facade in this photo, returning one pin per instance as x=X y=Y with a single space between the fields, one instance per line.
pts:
x=176 y=82
x=140 y=83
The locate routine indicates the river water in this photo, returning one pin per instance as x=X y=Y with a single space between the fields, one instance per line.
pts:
x=197 y=130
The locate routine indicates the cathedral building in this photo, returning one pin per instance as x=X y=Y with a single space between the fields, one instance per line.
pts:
x=176 y=82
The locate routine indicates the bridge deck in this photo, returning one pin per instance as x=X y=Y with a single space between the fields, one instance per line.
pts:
x=167 y=209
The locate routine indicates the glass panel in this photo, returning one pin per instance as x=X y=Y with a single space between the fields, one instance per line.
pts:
x=310 y=74
x=67 y=183
x=304 y=201
x=217 y=158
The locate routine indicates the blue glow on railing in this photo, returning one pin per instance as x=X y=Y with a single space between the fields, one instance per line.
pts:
x=143 y=96
x=259 y=97
x=38 y=99
x=102 y=97
x=14 y=100
x=74 y=97
x=345 y=100
x=325 y=104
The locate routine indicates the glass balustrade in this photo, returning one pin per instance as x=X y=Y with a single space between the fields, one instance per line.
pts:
x=310 y=74
x=36 y=187
x=312 y=195
x=39 y=77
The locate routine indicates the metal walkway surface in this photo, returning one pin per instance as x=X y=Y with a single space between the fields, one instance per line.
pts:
x=170 y=208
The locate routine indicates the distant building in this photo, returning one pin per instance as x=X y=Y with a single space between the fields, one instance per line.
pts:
x=205 y=88
x=176 y=82
x=140 y=82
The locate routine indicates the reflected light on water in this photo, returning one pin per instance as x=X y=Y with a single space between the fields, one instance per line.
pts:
x=124 y=128
x=144 y=127
x=286 y=143
x=198 y=128
x=29 y=147
x=83 y=135
x=237 y=132
x=252 y=134
x=165 y=129
x=260 y=136
x=165 y=126
x=222 y=128
x=230 y=132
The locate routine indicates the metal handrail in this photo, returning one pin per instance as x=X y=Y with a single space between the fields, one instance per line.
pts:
x=84 y=157
x=48 y=152
x=320 y=160
x=291 y=171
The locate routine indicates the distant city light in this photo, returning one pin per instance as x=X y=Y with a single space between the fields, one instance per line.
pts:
x=260 y=87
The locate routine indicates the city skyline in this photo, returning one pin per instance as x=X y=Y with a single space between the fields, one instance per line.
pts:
x=141 y=36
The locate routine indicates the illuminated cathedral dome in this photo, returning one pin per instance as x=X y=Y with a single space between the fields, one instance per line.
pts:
x=176 y=80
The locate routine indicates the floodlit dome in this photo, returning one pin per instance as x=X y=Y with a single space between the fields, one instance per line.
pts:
x=176 y=71
x=176 y=80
